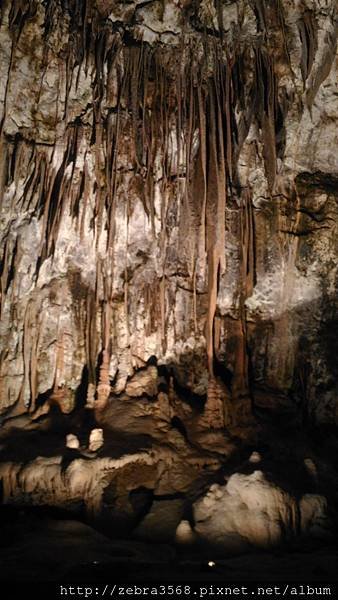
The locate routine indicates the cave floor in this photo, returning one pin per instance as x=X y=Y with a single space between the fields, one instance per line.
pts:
x=47 y=548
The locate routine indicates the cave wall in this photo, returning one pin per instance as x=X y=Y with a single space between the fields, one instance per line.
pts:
x=168 y=187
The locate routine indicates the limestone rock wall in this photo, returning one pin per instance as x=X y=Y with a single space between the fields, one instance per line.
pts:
x=168 y=190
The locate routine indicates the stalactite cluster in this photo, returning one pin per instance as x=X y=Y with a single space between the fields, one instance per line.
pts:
x=121 y=133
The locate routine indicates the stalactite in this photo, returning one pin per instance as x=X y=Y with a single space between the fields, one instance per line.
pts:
x=20 y=12
x=308 y=35
x=266 y=94
x=203 y=165
x=100 y=195
x=215 y=213
x=240 y=385
x=163 y=250
x=58 y=391
x=28 y=388
x=221 y=184
x=113 y=179
x=91 y=346
x=193 y=197
x=103 y=387
x=194 y=298
x=150 y=172
x=163 y=313
x=227 y=102
x=211 y=214
x=322 y=70
x=126 y=276
x=6 y=262
x=179 y=119
x=33 y=367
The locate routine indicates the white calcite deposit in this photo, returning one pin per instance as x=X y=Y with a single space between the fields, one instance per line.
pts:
x=250 y=511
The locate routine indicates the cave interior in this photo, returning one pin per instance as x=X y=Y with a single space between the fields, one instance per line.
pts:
x=168 y=289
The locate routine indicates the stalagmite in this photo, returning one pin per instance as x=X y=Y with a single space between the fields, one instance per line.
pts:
x=72 y=441
x=96 y=439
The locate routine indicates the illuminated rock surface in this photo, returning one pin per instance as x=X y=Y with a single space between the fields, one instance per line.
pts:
x=251 y=511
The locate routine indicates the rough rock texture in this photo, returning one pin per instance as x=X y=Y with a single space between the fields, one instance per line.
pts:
x=251 y=511
x=168 y=191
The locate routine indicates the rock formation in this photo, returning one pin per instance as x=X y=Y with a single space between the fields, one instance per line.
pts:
x=168 y=238
x=249 y=510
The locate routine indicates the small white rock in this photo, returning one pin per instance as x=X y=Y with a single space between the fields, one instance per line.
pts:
x=96 y=440
x=255 y=458
x=184 y=533
x=72 y=441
